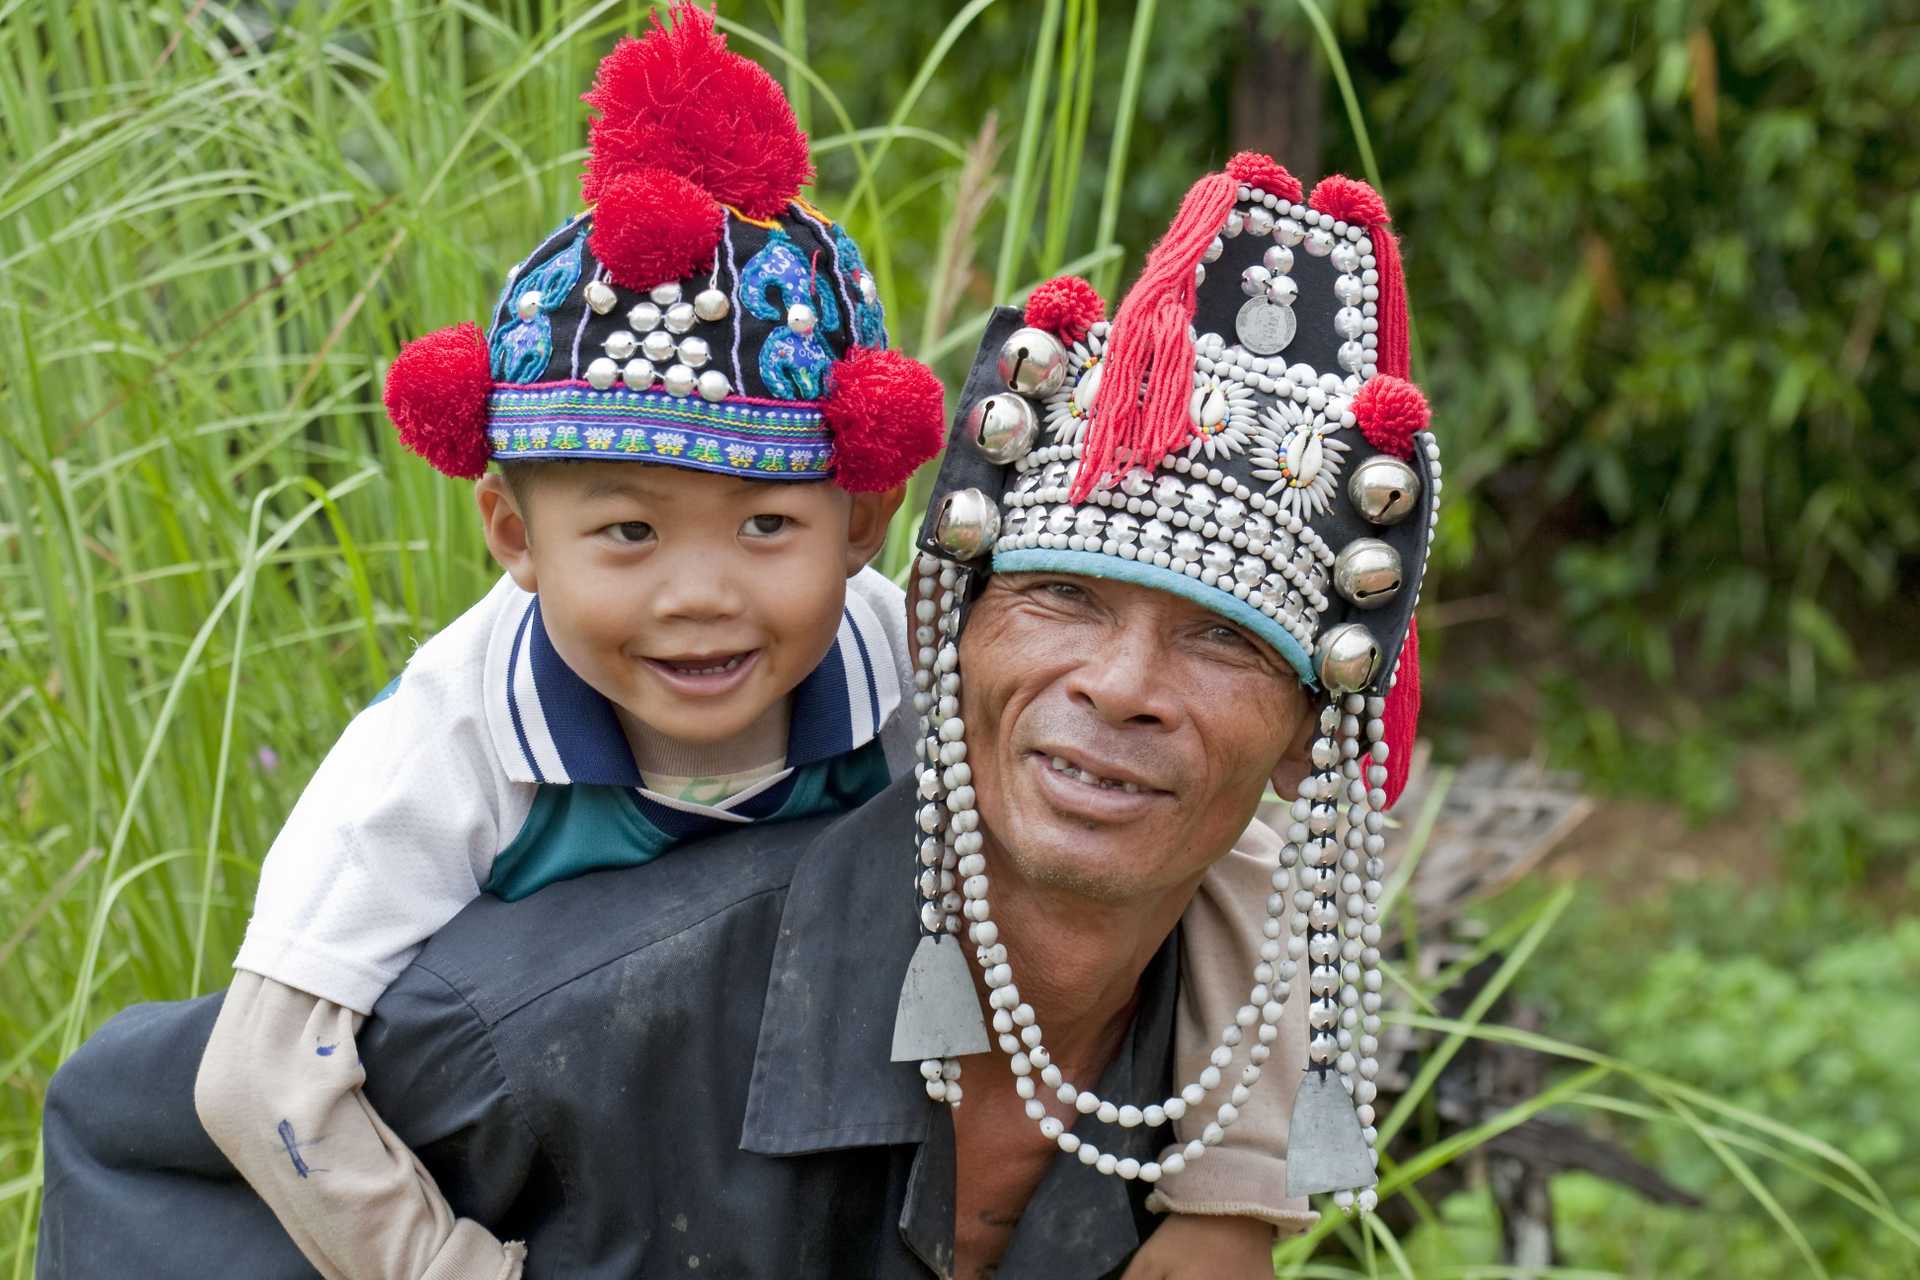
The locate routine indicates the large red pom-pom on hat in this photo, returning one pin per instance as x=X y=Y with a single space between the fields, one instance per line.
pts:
x=1065 y=306
x=888 y=415
x=678 y=99
x=1266 y=174
x=436 y=395
x=652 y=226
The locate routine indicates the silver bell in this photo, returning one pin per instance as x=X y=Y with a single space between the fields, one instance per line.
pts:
x=1367 y=573
x=969 y=524
x=1033 y=362
x=1004 y=426
x=1384 y=489
x=1346 y=658
x=600 y=296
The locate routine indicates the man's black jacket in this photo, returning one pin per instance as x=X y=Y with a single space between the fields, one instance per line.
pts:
x=675 y=1069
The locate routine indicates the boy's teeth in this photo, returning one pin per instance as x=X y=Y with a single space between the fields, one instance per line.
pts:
x=1061 y=765
x=715 y=670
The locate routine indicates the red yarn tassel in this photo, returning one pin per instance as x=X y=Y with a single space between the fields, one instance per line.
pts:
x=1149 y=344
x=1395 y=354
x=1402 y=716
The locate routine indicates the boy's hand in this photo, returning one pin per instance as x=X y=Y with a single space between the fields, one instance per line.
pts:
x=1192 y=1247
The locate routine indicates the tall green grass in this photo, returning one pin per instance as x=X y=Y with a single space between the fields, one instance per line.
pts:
x=217 y=224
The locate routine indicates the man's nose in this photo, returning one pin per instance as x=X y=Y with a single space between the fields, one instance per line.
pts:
x=1123 y=678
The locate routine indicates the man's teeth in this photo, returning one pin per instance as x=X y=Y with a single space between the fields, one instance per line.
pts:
x=1061 y=765
x=714 y=670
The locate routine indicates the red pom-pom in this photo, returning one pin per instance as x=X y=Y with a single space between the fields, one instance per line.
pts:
x=437 y=397
x=888 y=415
x=1266 y=173
x=652 y=226
x=1391 y=411
x=1067 y=306
x=1349 y=200
x=677 y=99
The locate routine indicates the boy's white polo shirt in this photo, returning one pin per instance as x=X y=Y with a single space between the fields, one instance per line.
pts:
x=399 y=827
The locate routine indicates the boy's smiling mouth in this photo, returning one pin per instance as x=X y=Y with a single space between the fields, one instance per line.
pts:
x=705 y=674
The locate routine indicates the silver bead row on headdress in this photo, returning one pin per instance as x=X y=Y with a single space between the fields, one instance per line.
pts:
x=659 y=355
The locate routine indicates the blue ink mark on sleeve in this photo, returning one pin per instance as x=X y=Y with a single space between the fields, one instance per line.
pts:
x=325 y=1050
x=287 y=1140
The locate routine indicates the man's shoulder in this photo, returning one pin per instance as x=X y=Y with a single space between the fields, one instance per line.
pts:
x=499 y=956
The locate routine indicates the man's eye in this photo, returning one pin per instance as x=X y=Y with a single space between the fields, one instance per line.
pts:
x=1064 y=590
x=630 y=532
x=1227 y=635
x=764 y=526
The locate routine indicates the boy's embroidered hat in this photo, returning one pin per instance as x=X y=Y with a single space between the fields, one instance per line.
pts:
x=1241 y=434
x=699 y=313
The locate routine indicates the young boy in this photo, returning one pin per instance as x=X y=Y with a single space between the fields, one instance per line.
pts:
x=675 y=647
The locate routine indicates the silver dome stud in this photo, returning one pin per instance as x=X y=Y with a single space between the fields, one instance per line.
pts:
x=1033 y=362
x=693 y=352
x=714 y=386
x=969 y=524
x=1346 y=658
x=621 y=345
x=601 y=373
x=666 y=294
x=801 y=318
x=680 y=317
x=1004 y=426
x=711 y=305
x=1384 y=489
x=678 y=380
x=658 y=345
x=1367 y=573
x=528 y=305
x=643 y=317
x=638 y=375
x=600 y=296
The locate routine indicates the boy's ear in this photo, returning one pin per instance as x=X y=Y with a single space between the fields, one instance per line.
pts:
x=506 y=530
x=867 y=525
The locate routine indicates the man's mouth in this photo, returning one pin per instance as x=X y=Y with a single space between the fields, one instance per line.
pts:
x=1092 y=777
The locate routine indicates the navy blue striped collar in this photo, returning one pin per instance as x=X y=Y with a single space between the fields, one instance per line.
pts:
x=550 y=726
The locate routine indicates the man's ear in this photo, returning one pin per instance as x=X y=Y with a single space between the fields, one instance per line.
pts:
x=867 y=525
x=1292 y=769
x=506 y=530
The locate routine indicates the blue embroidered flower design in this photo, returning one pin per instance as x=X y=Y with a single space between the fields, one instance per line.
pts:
x=869 y=321
x=793 y=363
x=520 y=349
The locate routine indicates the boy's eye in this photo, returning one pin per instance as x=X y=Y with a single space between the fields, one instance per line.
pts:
x=763 y=526
x=630 y=532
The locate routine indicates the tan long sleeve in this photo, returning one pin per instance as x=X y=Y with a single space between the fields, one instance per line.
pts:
x=279 y=1091
x=1220 y=936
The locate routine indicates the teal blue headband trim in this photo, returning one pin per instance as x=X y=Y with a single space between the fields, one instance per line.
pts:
x=1094 y=564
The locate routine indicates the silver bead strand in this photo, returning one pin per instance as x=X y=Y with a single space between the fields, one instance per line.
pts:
x=937 y=859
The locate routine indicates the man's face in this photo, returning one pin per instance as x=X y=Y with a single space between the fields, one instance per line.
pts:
x=693 y=602
x=1120 y=737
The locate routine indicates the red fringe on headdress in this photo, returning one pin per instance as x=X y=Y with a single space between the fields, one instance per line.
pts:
x=1150 y=345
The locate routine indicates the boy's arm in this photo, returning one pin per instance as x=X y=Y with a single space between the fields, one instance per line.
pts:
x=279 y=1091
x=1220 y=936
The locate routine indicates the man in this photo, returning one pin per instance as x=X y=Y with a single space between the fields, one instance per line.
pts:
x=684 y=1070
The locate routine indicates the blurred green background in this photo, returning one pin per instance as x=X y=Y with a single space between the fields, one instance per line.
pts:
x=1662 y=257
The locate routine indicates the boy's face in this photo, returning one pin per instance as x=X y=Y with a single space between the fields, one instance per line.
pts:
x=692 y=601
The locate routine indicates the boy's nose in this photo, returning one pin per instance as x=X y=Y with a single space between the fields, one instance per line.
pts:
x=699 y=588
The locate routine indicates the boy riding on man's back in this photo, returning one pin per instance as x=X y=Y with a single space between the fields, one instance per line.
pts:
x=674 y=647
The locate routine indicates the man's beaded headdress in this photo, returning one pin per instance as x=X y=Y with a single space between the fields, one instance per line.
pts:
x=1242 y=434
x=699 y=314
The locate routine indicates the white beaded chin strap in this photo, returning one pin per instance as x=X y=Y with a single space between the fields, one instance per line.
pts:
x=1330 y=874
